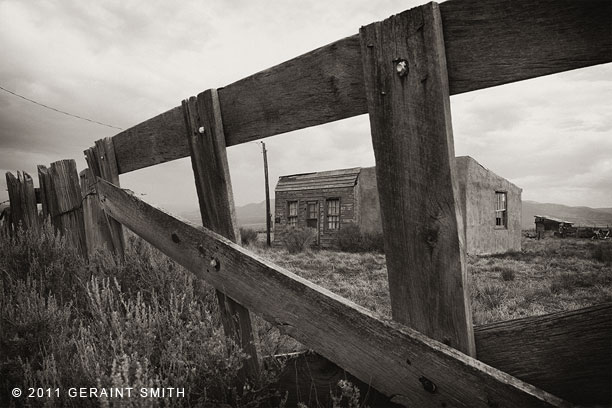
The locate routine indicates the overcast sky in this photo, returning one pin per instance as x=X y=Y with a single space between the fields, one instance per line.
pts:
x=122 y=62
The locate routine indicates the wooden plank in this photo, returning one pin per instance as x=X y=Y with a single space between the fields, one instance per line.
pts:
x=395 y=359
x=97 y=233
x=568 y=354
x=216 y=200
x=415 y=172
x=495 y=42
x=67 y=202
x=157 y=140
x=488 y=43
x=22 y=200
x=103 y=163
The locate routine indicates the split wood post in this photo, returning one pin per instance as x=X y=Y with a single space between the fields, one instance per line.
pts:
x=63 y=201
x=22 y=200
x=212 y=178
x=97 y=233
x=409 y=107
x=103 y=163
x=47 y=200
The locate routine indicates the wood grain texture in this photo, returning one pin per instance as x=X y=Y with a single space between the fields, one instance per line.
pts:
x=47 y=200
x=157 y=140
x=216 y=200
x=22 y=200
x=67 y=203
x=97 y=233
x=415 y=171
x=568 y=354
x=102 y=162
x=394 y=359
x=488 y=43
x=495 y=42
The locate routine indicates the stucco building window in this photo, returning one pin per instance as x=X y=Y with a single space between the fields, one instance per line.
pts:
x=501 y=209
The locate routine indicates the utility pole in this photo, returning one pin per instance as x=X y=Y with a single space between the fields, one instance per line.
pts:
x=268 y=215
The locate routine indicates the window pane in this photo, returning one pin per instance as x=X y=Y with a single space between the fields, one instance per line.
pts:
x=333 y=213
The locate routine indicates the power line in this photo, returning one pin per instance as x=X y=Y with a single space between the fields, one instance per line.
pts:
x=60 y=111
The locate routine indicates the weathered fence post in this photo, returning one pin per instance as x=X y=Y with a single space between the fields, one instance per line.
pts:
x=97 y=233
x=61 y=200
x=22 y=200
x=103 y=163
x=211 y=171
x=409 y=107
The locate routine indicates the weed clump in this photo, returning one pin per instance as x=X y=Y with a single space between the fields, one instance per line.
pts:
x=299 y=240
x=144 y=322
x=507 y=274
x=602 y=252
x=248 y=236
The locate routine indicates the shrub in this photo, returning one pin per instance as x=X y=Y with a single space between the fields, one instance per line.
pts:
x=248 y=236
x=299 y=239
x=507 y=274
x=351 y=239
x=602 y=252
x=141 y=322
x=491 y=295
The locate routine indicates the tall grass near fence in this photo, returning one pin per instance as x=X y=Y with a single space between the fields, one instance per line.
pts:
x=145 y=322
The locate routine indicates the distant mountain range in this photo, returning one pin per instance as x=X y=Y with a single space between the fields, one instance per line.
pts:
x=254 y=214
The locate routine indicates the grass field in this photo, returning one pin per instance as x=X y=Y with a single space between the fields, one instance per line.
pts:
x=67 y=322
x=546 y=276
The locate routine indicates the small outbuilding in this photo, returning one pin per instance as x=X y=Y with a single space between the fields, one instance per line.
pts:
x=549 y=226
x=330 y=200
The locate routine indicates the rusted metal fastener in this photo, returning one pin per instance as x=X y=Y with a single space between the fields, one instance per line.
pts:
x=428 y=385
x=401 y=67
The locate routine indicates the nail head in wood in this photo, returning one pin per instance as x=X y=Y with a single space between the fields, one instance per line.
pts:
x=214 y=262
x=428 y=385
x=201 y=130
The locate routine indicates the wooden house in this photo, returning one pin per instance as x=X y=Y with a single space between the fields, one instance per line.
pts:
x=549 y=226
x=330 y=200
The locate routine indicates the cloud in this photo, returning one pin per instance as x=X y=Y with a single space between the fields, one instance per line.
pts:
x=122 y=62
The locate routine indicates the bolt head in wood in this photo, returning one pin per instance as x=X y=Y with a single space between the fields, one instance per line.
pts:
x=201 y=130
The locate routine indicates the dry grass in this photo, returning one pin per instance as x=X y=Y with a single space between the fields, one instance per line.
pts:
x=546 y=276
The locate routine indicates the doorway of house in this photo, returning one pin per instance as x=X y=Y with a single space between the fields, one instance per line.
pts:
x=312 y=218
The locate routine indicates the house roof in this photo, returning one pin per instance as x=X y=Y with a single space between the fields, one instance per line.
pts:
x=546 y=217
x=323 y=179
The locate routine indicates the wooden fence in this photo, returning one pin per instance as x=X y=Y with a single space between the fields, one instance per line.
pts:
x=400 y=71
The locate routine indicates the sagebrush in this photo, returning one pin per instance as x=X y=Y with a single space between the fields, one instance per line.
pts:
x=145 y=321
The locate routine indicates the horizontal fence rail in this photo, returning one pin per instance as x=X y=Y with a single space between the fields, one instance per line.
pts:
x=487 y=42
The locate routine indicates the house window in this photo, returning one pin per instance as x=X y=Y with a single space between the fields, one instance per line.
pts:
x=292 y=213
x=501 y=209
x=333 y=214
x=311 y=215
